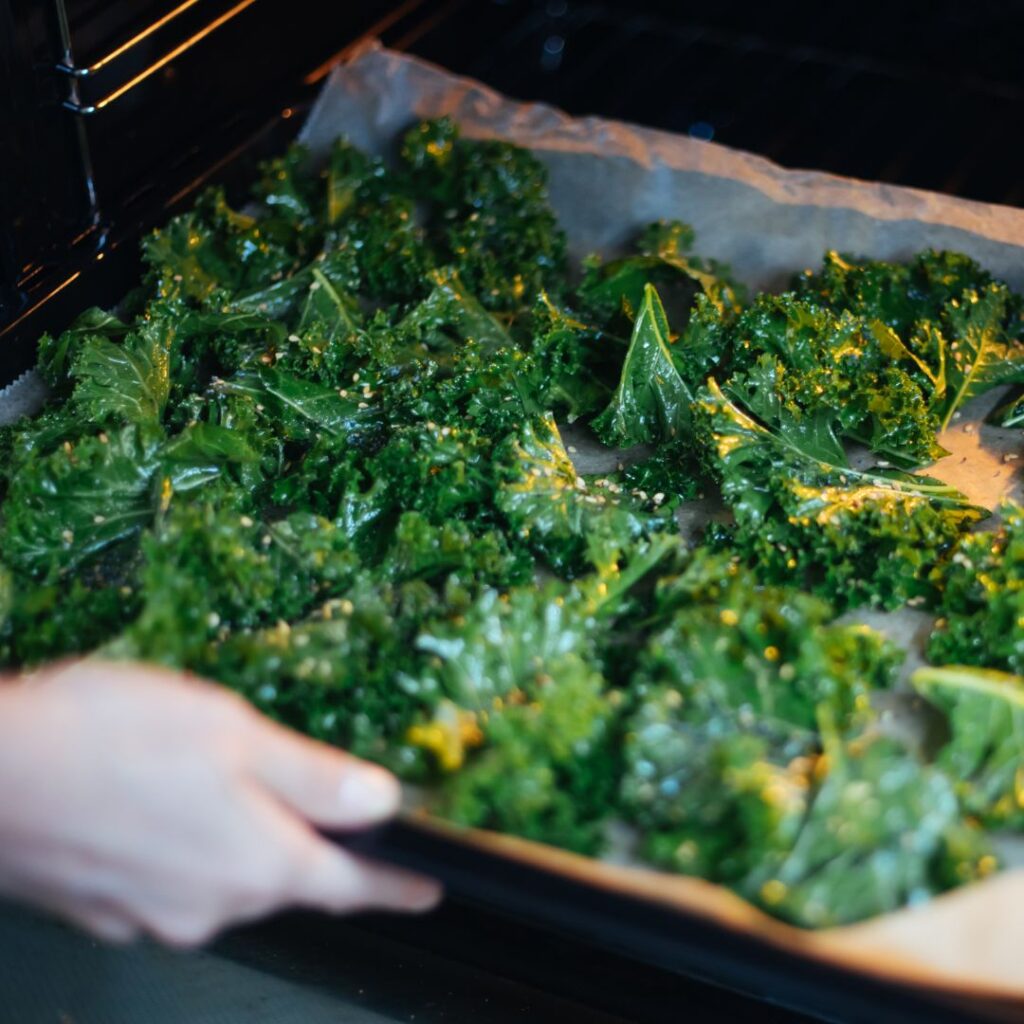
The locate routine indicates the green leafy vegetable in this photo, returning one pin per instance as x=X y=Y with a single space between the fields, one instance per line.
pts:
x=982 y=606
x=651 y=403
x=805 y=515
x=985 y=752
x=871 y=842
x=981 y=354
x=317 y=455
x=126 y=382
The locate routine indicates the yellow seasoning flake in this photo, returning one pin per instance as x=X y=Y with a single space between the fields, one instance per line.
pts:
x=773 y=892
x=771 y=653
x=452 y=732
x=166 y=493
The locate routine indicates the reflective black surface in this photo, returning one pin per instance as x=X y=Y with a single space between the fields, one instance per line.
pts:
x=452 y=966
x=924 y=94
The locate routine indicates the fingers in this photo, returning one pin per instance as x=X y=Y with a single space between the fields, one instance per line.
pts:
x=318 y=874
x=323 y=785
x=338 y=881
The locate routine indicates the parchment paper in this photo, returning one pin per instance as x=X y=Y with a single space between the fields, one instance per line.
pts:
x=606 y=180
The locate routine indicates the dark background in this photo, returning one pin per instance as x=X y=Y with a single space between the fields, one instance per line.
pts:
x=928 y=94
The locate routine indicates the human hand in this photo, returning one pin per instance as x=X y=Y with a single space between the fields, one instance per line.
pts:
x=136 y=800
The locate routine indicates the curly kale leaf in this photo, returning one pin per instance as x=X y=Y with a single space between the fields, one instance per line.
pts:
x=651 y=403
x=64 y=508
x=663 y=261
x=982 y=605
x=492 y=220
x=504 y=644
x=704 y=349
x=847 y=368
x=290 y=190
x=871 y=842
x=440 y=471
x=336 y=674
x=708 y=804
x=900 y=295
x=721 y=748
x=126 y=382
x=868 y=545
x=209 y=567
x=204 y=451
x=52 y=620
x=545 y=769
x=763 y=659
x=562 y=373
x=389 y=252
x=450 y=311
x=959 y=326
x=213 y=252
x=421 y=550
x=672 y=470
x=804 y=515
x=57 y=355
x=34 y=438
x=553 y=509
x=985 y=751
x=302 y=409
x=981 y=352
x=210 y=342
x=747 y=453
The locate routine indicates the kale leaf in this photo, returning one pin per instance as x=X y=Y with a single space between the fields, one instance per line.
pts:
x=127 y=382
x=651 y=403
x=982 y=606
x=804 y=515
x=985 y=750
x=872 y=840
x=316 y=456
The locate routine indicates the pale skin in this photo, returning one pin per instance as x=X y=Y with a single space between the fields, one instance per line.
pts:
x=136 y=801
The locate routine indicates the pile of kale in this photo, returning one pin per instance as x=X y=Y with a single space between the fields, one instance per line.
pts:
x=315 y=456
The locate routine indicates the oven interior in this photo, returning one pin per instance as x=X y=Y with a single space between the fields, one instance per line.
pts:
x=119 y=111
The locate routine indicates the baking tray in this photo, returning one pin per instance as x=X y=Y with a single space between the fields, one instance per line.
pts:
x=942 y=961
x=606 y=180
x=674 y=937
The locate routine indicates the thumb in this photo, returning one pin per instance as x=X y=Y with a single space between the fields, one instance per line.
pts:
x=324 y=785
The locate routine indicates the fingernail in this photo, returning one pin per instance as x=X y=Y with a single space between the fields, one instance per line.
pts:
x=368 y=794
